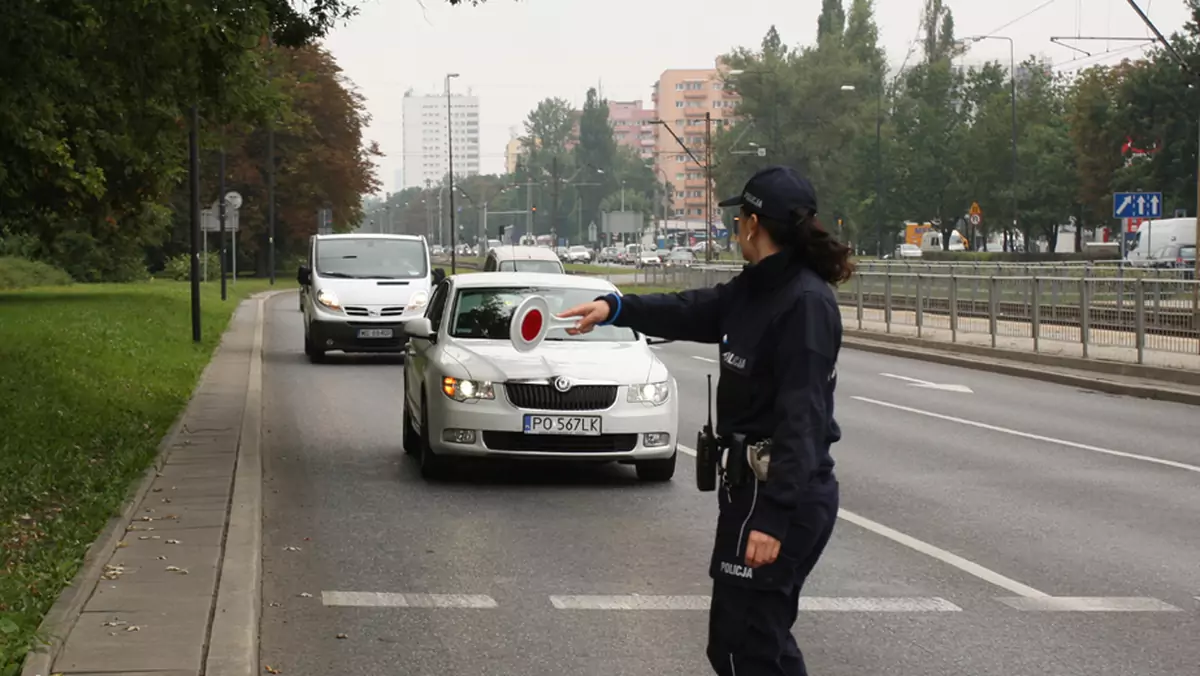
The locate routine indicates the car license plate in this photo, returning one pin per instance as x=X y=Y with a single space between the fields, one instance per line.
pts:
x=375 y=333
x=573 y=425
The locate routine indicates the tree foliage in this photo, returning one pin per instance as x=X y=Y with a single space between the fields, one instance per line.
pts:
x=937 y=136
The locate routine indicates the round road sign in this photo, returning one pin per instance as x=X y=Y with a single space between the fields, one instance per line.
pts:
x=974 y=219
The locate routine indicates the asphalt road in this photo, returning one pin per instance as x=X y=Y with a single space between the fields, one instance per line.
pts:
x=953 y=506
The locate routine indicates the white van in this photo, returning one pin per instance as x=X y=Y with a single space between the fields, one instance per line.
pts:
x=523 y=259
x=355 y=287
x=1155 y=240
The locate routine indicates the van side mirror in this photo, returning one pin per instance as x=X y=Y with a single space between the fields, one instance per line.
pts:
x=439 y=274
x=419 y=327
x=304 y=275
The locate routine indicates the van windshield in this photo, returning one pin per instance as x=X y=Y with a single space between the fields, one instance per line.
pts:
x=371 y=258
x=530 y=265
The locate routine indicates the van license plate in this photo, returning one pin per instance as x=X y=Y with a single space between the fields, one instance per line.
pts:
x=572 y=425
x=375 y=333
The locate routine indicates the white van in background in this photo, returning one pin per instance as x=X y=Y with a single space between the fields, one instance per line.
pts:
x=1155 y=242
x=357 y=286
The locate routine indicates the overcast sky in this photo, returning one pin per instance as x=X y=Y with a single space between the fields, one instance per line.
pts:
x=513 y=53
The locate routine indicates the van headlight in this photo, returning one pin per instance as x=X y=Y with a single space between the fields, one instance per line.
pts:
x=417 y=301
x=329 y=299
x=459 y=389
x=649 y=393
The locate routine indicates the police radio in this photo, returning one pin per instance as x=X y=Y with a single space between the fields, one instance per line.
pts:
x=707 y=453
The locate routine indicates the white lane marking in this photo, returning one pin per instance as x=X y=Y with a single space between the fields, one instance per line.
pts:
x=688 y=451
x=705 y=359
x=1035 y=437
x=916 y=382
x=1091 y=604
x=807 y=603
x=969 y=567
x=386 y=600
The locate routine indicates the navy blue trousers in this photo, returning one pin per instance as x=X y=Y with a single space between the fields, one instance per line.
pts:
x=751 y=618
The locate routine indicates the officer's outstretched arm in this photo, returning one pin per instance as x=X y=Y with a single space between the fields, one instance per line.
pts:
x=693 y=315
x=804 y=360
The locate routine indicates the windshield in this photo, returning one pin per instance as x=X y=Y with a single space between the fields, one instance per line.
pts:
x=371 y=258
x=683 y=254
x=579 y=249
x=531 y=265
x=485 y=313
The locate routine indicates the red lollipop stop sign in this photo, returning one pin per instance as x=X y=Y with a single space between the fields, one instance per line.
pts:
x=531 y=321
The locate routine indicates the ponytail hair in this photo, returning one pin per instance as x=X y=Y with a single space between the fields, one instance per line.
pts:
x=808 y=242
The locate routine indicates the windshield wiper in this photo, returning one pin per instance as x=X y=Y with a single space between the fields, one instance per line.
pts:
x=339 y=275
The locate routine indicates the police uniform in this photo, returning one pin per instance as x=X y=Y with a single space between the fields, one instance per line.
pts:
x=779 y=330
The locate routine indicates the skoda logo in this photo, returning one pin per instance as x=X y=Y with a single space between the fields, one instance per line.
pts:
x=373 y=313
x=562 y=384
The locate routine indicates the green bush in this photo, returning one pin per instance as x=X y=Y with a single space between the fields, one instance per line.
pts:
x=19 y=273
x=179 y=268
x=1011 y=257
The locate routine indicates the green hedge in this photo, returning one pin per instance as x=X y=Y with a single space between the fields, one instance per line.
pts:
x=19 y=273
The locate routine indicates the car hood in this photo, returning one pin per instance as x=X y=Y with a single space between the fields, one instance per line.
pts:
x=595 y=362
x=373 y=292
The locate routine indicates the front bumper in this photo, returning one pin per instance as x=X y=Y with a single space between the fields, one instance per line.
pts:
x=329 y=331
x=496 y=429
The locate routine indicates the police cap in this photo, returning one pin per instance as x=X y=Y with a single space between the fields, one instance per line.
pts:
x=776 y=193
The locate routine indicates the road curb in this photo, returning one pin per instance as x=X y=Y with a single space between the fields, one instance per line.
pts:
x=929 y=351
x=60 y=620
x=232 y=648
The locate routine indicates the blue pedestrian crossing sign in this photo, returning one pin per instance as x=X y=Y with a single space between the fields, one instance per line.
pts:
x=1138 y=205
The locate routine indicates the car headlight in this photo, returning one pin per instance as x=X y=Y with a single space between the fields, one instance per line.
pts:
x=649 y=393
x=467 y=390
x=329 y=299
x=418 y=300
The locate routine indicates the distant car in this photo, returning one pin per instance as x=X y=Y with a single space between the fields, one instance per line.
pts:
x=357 y=286
x=649 y=259
x=602 y=396
x=579 y=254
x=680 y=258
x=561 y=252
x=609 y=254
x=908 y=251
x=522 y=259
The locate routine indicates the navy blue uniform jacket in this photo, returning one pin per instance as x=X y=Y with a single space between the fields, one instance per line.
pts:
x=779 y=330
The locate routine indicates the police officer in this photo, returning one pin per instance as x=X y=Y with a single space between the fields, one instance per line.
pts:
x=779 y=331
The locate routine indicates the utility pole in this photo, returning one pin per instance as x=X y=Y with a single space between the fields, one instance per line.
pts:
x=194 y=214
x=554 y=207
x=708 y=250
x=270 y=179
x=450 y=153
x=221 y=216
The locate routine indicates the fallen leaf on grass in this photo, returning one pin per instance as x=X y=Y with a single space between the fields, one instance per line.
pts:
x=271 y=670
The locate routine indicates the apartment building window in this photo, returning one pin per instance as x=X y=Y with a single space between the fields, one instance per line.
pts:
x=679 y=104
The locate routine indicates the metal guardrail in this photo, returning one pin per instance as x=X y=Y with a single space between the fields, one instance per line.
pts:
x=1133 y=314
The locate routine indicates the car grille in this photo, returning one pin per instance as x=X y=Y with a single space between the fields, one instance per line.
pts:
x=559 y=443
x=359 y=311
x=546 y=398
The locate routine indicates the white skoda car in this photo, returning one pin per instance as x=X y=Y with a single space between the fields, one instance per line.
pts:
x=603 y=396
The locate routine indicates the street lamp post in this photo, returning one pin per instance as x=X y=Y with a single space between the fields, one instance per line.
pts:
x=1012 y=76
x=450 y=155
x=707 y=164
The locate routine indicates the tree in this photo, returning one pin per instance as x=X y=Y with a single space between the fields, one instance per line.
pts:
x=596 y=151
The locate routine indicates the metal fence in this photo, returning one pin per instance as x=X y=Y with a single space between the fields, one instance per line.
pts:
x=1107 y=317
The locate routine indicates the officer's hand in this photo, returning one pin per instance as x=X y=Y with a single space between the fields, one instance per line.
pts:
x=590 y=314
x=761 y=549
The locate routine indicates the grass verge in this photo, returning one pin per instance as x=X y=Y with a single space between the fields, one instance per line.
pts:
x=91 y=378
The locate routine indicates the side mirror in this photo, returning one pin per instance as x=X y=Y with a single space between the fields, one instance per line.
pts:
x=419 y=327
x=439 y=274
x=657 y=341
x=304 y=276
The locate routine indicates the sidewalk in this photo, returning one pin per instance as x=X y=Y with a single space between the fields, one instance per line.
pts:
x=145 y=598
